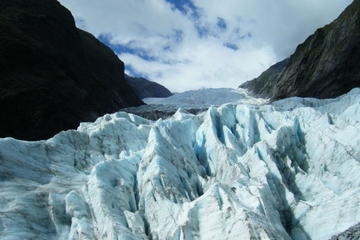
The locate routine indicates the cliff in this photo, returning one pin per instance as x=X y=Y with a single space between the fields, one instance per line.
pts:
x=53 y=75
x=326 y=65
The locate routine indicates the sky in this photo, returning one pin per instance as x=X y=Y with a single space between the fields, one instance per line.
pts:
x=193 y=44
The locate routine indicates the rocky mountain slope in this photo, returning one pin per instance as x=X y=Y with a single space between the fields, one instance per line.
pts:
x=52 y=75
x=326 y=65
x=287 y=170
x=146 y=89
x=263 y=85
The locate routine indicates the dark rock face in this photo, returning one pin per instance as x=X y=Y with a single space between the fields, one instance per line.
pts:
x=326 y=65
x=263 y=85
x=145 y=88
x=53 y=75
x=352 y=233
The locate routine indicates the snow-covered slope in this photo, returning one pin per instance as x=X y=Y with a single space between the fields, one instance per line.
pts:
x=206 y=97
x=289 y=170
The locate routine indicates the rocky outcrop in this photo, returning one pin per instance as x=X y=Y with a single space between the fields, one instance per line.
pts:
x=352 y=233
x=53 y=75
x=326 y=65
x=146 y=89
x=263 y=85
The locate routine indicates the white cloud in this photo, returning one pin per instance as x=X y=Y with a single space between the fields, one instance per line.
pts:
x=260 y=31
x=281 y=24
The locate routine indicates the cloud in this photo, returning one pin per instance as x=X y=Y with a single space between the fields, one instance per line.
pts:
x=189 y=44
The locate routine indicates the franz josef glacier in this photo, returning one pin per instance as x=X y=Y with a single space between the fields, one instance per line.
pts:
x=285 y=170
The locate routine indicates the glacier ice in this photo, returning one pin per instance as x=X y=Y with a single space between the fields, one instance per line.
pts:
x=206 y=97
x=286 y=170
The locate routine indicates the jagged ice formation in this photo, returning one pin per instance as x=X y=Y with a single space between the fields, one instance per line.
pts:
x=286 y=170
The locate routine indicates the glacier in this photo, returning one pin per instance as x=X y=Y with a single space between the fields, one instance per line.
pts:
x=282 y=170
x=206 y=97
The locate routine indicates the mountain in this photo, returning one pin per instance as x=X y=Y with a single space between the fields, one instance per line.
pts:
x=53 y=75
x=285 y=170
x=146 y=89
x=326 y=65
x=263 y=85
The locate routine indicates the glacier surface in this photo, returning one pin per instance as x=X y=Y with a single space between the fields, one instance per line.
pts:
x=286 y=170
x=206 y=97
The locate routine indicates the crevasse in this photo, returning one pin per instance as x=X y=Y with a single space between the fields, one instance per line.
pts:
x=286 y=170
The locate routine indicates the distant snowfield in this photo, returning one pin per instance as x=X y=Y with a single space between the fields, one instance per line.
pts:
x=207 y=97
x=280 y=171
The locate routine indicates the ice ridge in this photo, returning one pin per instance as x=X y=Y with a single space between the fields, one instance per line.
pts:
x=286 y=170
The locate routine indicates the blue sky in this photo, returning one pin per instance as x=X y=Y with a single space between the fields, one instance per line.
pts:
x=191 y=44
